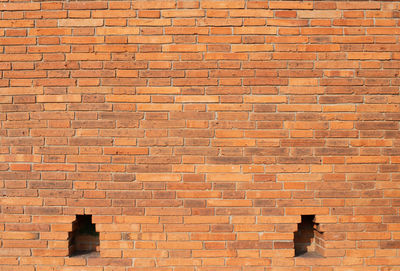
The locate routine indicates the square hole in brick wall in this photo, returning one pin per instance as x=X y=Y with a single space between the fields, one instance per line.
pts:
x=83 y=239
x=308 y=240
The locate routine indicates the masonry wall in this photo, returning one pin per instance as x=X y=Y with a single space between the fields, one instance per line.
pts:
x=198 y=133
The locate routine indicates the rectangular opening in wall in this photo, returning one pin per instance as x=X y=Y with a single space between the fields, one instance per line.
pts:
x=83 y=239
x=308 y=241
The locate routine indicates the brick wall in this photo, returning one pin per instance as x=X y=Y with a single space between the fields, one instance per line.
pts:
x=199 y=134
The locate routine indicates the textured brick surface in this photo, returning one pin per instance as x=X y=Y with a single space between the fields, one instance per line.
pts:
x=197 y=133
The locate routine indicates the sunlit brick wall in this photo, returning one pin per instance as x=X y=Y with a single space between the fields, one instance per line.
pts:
x=198 y=135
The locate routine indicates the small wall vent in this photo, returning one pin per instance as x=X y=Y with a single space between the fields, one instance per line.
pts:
x=83 y=239
x=308 y=239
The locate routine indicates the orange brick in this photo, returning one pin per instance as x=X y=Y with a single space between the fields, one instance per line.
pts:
x=290 y=5
x=19 y=6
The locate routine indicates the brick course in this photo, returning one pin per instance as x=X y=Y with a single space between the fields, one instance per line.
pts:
x=198 y=133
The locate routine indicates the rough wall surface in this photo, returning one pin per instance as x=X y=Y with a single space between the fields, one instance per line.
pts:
x=197 y=133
